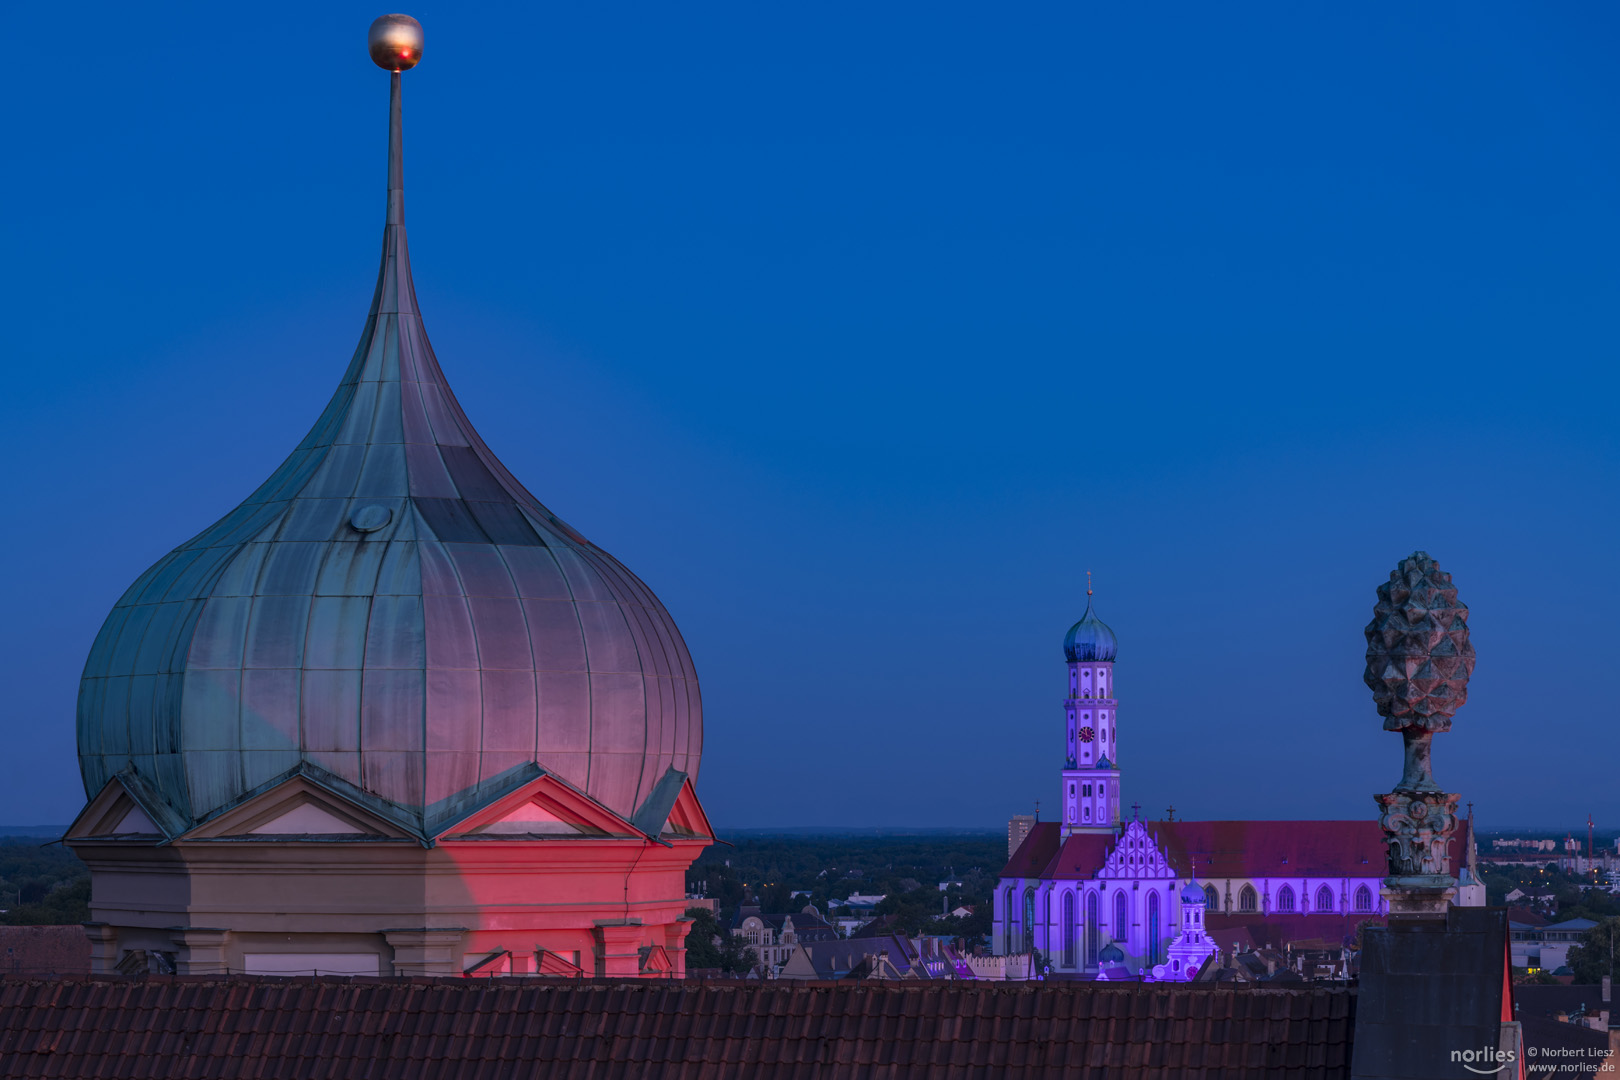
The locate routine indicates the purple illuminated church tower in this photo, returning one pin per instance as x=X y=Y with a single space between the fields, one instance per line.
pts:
x=1091 y=765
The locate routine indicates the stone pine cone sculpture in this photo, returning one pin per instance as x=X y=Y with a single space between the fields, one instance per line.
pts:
x=1419 y=658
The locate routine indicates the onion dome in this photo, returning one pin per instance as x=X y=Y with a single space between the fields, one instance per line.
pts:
x=1193 y=893
x=1111 y=954
x=1090 y=638
x=392 y=614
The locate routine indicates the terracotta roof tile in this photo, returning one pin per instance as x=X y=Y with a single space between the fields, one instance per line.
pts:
x=1220 y=849
x=394 y=1029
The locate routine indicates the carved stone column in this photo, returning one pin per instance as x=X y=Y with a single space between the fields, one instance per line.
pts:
x=426 y=951
x=675 y=944
x=199 y=950
x=1419 y=660
x=103 y=947
x=618 y=947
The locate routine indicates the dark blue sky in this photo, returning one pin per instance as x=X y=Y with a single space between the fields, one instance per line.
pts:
x=860 y=332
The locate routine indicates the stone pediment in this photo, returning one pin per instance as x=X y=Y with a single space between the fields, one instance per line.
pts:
x=546 y=806
x=295 y=809
x=114 y=813
x=686 y=817
x=136 y=822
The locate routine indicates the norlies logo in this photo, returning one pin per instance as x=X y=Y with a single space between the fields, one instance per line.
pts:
x=1487 y=1060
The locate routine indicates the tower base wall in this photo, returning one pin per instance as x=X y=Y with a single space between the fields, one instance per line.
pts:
x=475 y=906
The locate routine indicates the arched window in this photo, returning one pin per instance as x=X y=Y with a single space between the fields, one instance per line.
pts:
x=1121 y=927
x=1212 y=899
x=1010 y=921
x=1068 y=929
x=1153 y=929
x=1248 y=899
x=1091 y=929
x=1029 y=921
x=1285 y=898
x=1324 y=899
x=1363 y=898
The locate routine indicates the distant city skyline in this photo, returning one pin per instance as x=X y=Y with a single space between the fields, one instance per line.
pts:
x=862 y=338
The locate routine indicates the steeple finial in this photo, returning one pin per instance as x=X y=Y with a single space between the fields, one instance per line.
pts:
x=395 y=43
x=1088 y=582
x=396 y=46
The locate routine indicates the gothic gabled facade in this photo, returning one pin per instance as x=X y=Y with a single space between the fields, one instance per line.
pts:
x=1091 y=883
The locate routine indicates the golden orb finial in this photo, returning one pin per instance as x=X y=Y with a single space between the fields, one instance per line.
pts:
x=396 y=42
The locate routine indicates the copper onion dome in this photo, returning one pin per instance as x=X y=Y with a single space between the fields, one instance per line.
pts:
x=391 y=613
x=1090 y=638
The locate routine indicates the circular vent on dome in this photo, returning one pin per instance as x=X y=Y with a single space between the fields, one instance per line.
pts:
x=370 y=518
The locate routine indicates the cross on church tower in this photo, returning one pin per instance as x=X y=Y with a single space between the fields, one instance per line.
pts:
x=1136 y=811
x=1171 y=810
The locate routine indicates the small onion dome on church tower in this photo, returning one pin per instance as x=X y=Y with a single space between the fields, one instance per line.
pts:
x=391 y=613
x=1193 y=893
x=1090 y=638
x=1111 y=954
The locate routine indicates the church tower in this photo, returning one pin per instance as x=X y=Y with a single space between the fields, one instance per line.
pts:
x=1091 y=797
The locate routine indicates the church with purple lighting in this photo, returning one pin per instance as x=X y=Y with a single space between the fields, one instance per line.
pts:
x=1101 y=893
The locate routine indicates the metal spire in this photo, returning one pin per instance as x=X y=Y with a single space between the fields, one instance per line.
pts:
x=390 y=486
x=396 y=46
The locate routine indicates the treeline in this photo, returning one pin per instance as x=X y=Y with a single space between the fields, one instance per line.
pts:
x=907 y=870
x=1579 y=896
x=41 y=884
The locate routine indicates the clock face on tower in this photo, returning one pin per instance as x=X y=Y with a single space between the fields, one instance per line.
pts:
x=1086 y=734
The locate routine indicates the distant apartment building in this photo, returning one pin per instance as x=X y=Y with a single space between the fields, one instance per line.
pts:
x=1017 y=829
x=1515 y=844
x=1545 y=948
x=773 y=938
x=853 y=912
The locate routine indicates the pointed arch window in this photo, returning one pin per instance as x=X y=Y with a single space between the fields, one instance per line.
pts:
x=1153 y=956
x=1363 y=898
x=1248 y=899
x=1029 y=921
x=1285 y=898
x=1324 y=899
x=1091 y=929
x=1212 y=899
x=1122 y=922
x=1069 y=929
x=1010 y=922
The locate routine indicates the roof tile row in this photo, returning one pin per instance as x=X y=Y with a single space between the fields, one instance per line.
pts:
x=383 y=1028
